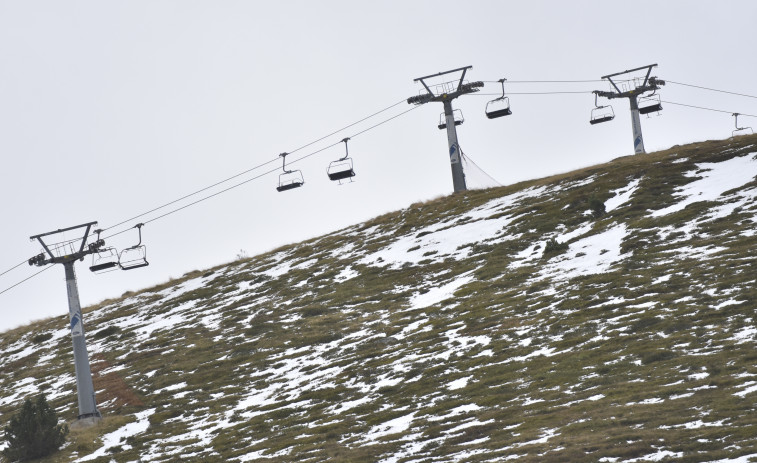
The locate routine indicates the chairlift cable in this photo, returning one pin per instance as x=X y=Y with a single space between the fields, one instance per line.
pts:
x=15 y=267
x=708 y=109
x=262 y=174
x=708 y=88
x=404 y=100
x=223 y=181
x=251 y=169
x=546 y=81
x=532 y=93
x=26 y=279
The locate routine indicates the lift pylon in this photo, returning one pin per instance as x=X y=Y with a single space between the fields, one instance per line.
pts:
x=445 y=92
x=648 y=84
x=67 y=253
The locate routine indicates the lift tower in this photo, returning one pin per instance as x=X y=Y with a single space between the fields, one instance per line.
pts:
x=67 y=253
x=650 y=84
x=446 y=92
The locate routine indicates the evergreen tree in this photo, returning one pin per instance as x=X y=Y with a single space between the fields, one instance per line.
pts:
x=34 y=431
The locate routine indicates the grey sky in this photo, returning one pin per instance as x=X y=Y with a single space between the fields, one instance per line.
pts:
x=111 y=108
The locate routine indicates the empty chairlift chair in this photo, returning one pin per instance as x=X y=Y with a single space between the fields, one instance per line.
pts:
x=499 y=107
x=342 y=168
x=740 y=130
x=601 y=113
x=457 y=114
x=135 y=256
x=103 y=259
x=289 y=179
x=650 y=104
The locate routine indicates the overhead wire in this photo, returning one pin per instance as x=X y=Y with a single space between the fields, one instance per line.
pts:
x=65 y=242
x=532 y=93
x=228 y=179
x=710 y=89
x=15 y=267
x=26 y=279
x=707 y=109
x=549 y=81
x=259 y=166
x=204 y=198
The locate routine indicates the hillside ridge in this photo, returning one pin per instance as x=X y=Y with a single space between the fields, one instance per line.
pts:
x=605 y=314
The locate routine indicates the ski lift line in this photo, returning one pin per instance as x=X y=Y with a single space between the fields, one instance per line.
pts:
x=15 y=267
x=262 y=174
x=708 y=109
x=348 y=126
x=228 y=179
x=532 y=93
x=711 y=89
x=26 y=279
x=548 y=81
x=163 y=206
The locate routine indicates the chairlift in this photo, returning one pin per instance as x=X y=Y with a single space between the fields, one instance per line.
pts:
x=341 y=168
x=499 y=107
x=103 y=259
x=457 y=114
x=743 y=130
x=650 y=104
x=134 y=256
x=601 y=113
x=289 y=179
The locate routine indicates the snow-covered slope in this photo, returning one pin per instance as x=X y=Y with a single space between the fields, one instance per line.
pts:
x=447 y=332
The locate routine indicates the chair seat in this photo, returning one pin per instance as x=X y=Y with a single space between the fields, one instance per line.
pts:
x=103 y=266
x=341 y=175
x=599 y=120
x=650 y=109
x=289 y=186
x=498 y=113
x=137 y=264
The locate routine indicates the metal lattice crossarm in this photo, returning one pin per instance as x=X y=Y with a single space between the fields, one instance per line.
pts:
x=650 y=103
x=445 y=93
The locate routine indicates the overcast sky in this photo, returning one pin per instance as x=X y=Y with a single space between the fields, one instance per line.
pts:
x=109 y=109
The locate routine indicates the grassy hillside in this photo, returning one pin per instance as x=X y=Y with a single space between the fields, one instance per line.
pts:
x=605 y=314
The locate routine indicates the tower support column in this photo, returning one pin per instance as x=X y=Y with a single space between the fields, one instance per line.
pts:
x=638 y=139
x=455 y=160
x=84 y=386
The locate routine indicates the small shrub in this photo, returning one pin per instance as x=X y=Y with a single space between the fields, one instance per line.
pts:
x=656 y=356
x=40 y=338
x=597 y=208
x=34 y=431
x=104 y=333
x=554 y=247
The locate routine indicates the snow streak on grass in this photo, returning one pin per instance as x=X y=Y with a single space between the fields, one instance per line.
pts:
x=445 y=332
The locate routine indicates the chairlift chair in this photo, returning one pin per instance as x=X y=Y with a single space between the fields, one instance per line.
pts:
x=743 y=130
x=289 y=179
x=342 y=168
x=103 y=259
x=650 y=104
x=135 y=256
x=498 y=107
x=457 y=114
x=601 y=113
